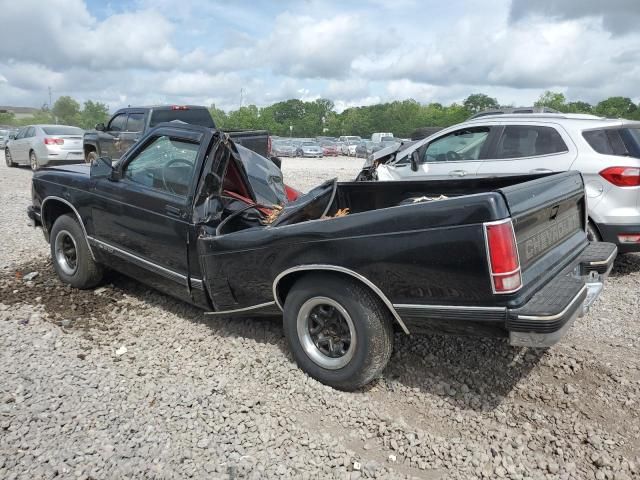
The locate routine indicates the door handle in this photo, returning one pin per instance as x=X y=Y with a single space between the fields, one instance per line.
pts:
x=457 y=173
x=173 y=211
x=540 y=170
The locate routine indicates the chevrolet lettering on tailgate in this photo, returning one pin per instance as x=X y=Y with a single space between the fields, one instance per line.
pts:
x=550 y=236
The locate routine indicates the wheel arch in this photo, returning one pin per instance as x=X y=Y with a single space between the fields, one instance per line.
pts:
x=53 y=207
x=285 y=280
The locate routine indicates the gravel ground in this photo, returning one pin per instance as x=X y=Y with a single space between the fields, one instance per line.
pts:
x=125 y=382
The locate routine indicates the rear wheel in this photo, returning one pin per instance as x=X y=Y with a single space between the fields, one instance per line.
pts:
x=339 y=332
x=71 y=255
x=33 y=161
x=8 y=159
x=592 y=232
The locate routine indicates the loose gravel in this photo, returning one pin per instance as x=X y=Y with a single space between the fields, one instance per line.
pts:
x=124 y=382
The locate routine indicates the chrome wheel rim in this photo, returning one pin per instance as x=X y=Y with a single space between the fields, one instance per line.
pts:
x=34 y=162
x=7 y=157
x=326 y=332
x=66 y=252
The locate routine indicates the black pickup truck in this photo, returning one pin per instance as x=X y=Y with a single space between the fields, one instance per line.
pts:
x=192 y=214
x=130 y=124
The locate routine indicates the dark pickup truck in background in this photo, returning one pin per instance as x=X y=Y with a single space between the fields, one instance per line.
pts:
x=130 y=124
x=346 y=263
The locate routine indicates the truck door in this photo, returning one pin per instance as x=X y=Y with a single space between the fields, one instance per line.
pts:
x=110 y=138
x=132 y=131
x=142 y=220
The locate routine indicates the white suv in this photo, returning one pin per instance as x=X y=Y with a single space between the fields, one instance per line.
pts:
x=606 y=152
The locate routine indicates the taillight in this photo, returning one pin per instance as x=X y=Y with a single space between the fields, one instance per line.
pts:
x=502 y=253
x=179 y=107
x=629 y=238
x=622 y=176
x=54 y=141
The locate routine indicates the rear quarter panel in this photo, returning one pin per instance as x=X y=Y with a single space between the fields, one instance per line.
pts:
x=424 y=253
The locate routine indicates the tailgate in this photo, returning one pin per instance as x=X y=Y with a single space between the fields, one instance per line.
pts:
x=549 y=218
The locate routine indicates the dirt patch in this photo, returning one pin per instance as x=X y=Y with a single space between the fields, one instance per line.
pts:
x=36 y=283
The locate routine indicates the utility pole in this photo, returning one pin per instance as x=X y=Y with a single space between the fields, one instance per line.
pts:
x=241 y=96
x=50 y=106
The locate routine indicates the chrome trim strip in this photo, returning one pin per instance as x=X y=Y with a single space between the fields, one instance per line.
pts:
x=165 y=272
x=557 y=315
x=609 y=258
x=245 y=309
x=335 y=268
x=66 y=202
x=449 y=307
x=197 y=283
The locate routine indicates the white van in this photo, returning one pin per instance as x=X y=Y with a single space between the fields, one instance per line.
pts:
x=378 y=136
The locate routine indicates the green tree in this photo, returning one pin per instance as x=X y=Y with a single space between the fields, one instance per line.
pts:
x=7 y=118
x=67 y=111
x=551 y=99
x=617 y=107
x=218 y=115
x=92 y=114
x=477 y=102
x=578 y=107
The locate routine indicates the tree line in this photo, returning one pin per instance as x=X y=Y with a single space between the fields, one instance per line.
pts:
x=298 y=118
x=65 y=111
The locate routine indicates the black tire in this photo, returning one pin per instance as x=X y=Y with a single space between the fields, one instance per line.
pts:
x=33 y=161
x=8 y=159
x=67 y=235
x=592 y=232
x=91 y=156
x=368 y=352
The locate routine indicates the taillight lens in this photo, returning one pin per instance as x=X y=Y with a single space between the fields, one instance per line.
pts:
x=502 y=252
x=179 y=107
x=622 y=176
x=54 y=141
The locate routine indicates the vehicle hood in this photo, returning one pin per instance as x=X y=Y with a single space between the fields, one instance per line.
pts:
x=81 y=168
x=311 y=149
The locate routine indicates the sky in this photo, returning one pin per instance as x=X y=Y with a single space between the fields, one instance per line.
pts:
x=142 y=52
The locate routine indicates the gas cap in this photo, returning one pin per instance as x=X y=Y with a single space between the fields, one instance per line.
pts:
x=594 y=189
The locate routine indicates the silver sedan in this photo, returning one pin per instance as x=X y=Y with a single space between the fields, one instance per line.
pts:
x=44 y=145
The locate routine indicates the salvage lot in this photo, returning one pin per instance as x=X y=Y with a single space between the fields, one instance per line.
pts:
x=126 y=381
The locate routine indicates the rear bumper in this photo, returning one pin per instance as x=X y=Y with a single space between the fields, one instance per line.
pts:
x=547 y=316
x=540 y=322
x=610 y=233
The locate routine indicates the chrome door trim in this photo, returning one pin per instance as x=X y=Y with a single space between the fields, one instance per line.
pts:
x=243 y=309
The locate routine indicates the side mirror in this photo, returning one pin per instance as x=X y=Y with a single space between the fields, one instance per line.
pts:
x=101 y=167
x=100 y=127
x=12 y=136
x=415 y=160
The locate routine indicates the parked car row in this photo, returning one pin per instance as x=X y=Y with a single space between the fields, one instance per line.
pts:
x=43 y=145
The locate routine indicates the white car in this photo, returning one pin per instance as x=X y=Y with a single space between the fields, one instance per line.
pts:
x=45 y=145
x=606 y=151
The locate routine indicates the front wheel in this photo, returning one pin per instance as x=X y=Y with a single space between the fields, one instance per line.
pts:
x=339 y=332
x=91 y=156
x=71 y=255
x=8 y=159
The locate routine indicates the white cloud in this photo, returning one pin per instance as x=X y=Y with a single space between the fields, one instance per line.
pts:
x=353 y=53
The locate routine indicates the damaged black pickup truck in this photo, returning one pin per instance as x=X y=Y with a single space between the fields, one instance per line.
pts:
x=189 y=212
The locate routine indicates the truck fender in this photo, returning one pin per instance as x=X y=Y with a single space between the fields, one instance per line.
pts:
x=340 y=270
